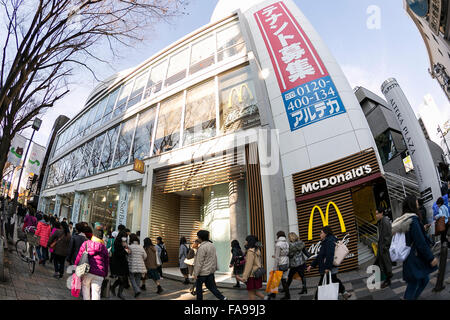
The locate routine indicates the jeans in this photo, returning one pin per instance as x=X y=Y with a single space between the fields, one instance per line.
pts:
x=135 y=279
x=42 y=255
x=59 y=262
x=415 y=288
x=210 y=283
x=91 y=282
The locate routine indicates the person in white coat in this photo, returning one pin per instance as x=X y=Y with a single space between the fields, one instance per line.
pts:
x=281 y=260
x=136 y=263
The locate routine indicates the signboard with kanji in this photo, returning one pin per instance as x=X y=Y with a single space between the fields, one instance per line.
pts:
x=308 y=92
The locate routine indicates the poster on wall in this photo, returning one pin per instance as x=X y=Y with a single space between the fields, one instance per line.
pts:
x=308 y=92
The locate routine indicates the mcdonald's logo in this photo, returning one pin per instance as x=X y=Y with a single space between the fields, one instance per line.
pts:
x=325 y=218
x=239 y=90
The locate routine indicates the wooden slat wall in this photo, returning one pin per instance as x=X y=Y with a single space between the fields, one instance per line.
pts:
x=190 y=218
x=165 y=223
x=344 y=202
x=202 y=173
x=334 y=168
x=255 y=197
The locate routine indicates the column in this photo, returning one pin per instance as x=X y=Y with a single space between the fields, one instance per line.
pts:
x=76 y=207
x=58 y=201
x=124 y=197
x=147 y=184
x=238 y=211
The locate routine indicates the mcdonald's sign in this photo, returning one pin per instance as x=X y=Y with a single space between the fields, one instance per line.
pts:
x=325 y=218
x=245 y=106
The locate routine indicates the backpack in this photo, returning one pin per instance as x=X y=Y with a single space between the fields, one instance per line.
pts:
x=399 y=251
x=164 y=256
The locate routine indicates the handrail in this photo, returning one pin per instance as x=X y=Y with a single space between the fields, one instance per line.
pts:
x=367 y=229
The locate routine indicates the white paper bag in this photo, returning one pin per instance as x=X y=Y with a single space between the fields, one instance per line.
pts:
x=328 y=291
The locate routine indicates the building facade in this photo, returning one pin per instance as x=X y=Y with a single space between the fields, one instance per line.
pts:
x=432 y=19
x=245 y=126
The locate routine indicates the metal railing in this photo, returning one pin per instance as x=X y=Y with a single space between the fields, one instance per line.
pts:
x=367 y=231
x=399 y=187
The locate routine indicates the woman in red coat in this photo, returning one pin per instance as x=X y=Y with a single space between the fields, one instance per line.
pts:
x=43 y=230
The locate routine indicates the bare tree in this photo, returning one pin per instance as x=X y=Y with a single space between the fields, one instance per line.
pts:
x=46 y=40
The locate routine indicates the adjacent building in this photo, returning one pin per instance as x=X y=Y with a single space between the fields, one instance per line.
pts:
x=244 y=126
x=432 y=19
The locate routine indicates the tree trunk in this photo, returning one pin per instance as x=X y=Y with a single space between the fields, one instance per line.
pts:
x=5 y=144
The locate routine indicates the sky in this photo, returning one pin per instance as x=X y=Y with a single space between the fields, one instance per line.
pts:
x=392 y=47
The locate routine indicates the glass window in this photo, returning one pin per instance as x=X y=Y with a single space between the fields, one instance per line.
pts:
x=108 y=149
x=96 y=153
x=104 y=207
x=99 y=113
x=90 y=119
x=386 y=146
x=168 y=130
x=67 y=165
x=86 y=151
x=75 y=161
x=177 y=67
x=82 y=126
x=143 y=136
x=124 y=143
x=230 y=42
x=200 y=114
x=121 y=105
x=202 y=55
x=155 y=80
x=110 y=105
x=59 y=173
x=74 y=126
x=138 y=89
x=238 y=103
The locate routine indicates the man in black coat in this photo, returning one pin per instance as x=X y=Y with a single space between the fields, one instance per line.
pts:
x=75 y=243
x=384 y=243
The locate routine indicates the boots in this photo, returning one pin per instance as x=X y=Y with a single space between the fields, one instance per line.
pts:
x=159 y=290
x=119 y=294
x=287 y=294
x=304 y=290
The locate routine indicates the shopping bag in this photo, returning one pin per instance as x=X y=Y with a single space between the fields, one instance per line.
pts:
x=274 y=281
x=76 y=286
x=328 y=291
x=341 y=251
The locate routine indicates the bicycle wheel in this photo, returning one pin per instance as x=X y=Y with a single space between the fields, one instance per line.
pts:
x=32 y=260
x=21 y=249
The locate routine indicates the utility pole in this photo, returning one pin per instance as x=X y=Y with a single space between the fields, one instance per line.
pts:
x=439 y=130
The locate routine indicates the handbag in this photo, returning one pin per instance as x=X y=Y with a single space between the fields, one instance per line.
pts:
x=259 y=273
x=440 y=226
x=53 y=244
x=328 y=291
x=274 y=281
x=340 y=252
x=83 y=266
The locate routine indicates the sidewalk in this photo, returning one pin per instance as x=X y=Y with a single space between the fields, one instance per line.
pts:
x=20 y=285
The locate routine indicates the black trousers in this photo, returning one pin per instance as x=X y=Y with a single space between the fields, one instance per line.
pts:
x=159 y=268
x=210 y=283
x=334 y=279
x=59 y=262
x=301 y=272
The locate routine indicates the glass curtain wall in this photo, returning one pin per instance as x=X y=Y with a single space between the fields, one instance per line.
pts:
x=124 y=143
x=143 y=135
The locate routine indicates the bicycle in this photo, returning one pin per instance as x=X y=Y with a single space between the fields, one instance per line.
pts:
x=26 y=249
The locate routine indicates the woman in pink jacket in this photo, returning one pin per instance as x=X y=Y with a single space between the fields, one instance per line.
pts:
x=99 y=264
x=43 y=230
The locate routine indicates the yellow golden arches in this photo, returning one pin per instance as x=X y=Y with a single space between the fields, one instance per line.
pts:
x=325 y=218
x=241 y=93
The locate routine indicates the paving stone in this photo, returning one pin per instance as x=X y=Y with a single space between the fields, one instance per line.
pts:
x=358 y=284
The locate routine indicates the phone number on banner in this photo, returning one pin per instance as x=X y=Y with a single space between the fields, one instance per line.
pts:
x=312 y=102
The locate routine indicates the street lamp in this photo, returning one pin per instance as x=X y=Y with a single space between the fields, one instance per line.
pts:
x=35 y=126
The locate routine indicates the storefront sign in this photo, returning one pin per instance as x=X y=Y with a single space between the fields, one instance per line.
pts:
x=139 y=166
x=325 y=219
x=337 y=179
x=435 y=15
x=124 y=194
x=414 y=137
x=361 y=166
x=308 y=91
x=242 y=103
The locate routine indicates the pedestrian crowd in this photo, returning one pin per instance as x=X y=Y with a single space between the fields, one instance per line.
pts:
x=95 y=254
